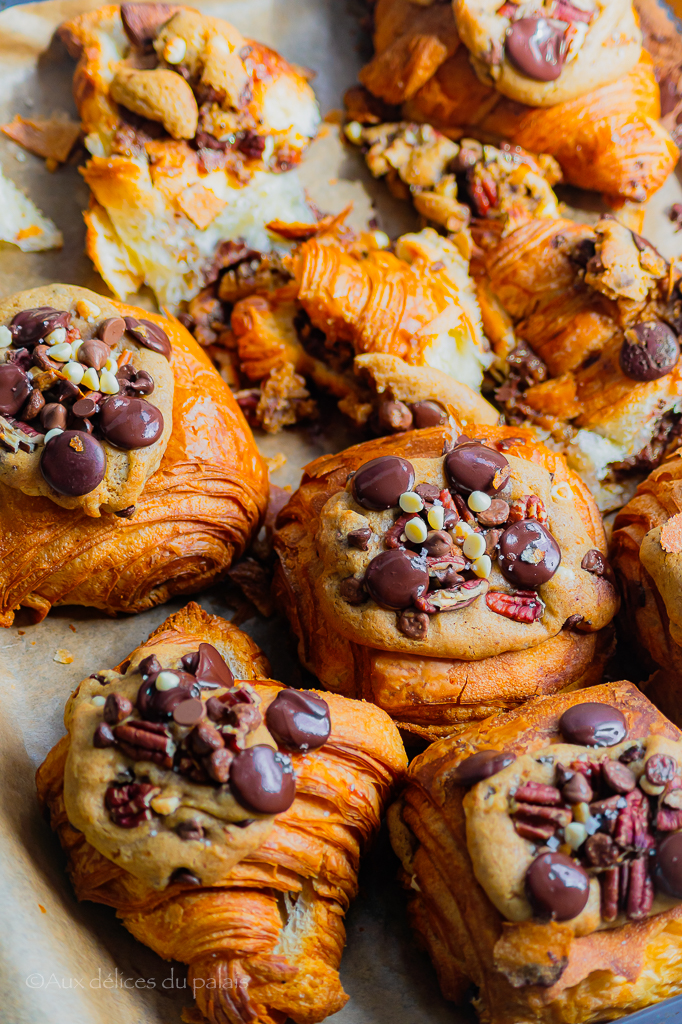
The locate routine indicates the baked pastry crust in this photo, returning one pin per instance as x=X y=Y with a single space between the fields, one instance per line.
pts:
x=264 y=940
x=472 y=661
x=195 y=514
x=177 y=169
x=525 y=969
x=127 y=471
x=604 y=43
x=608 y=140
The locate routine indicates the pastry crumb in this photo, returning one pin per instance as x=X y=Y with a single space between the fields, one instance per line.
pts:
x=62 y=656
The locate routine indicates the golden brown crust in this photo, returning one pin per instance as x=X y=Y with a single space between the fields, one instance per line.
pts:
x=196 y=513
x=423 y=684
x=615 y=971
x=266 y=941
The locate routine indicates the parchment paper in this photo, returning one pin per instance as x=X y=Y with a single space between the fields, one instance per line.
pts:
x=75 y=964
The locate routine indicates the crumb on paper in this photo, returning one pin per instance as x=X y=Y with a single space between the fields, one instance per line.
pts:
x=22 y=223
x=42 y=908
x=21 y=632
x=52 y=138
x=72 y=627
x=62 y=656
x=276 y=462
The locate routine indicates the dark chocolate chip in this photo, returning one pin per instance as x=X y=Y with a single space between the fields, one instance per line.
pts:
x=428 y=414
x=577 y=790
x=149 y=668
x=378 y=484
x=130 y=423
x=73 y=463
x=634 y=753
x=669 y=865
x=593 y=725
x=393 y=416
x=413 y=624
x=537 y=48
x=182 y=876
x=134 y=382
x=143 y=21
x=53 y=416
x=212 y=671
x=529 y=555
x=103 y=737
x=204 y=739
x=558 y=888
x=216 y=710
x=352 y=590
x=472 y=466
x=480 y=765
x=188 y=712
x=650 y=350
x=618 y=776
x=116 y=708
x=495 y=515
x=84 y=408
x=150 y=335
x=263 y=780
x=438 y=544
x=359 y=538
x=428 y=493
x=190 y=830
x=63 y=391
x=111 y=331
x=298 y=720
x=93 y=353
x=31 y=325
x=15 y=387
x=396 y=579
x=190 y=662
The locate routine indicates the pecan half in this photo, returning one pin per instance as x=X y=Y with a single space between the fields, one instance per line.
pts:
x=128 y=805
x=538 y=793
x=456 y=597
x=145 y=741
x=668 y=819
x=529 y=506
x=632 y=825
x=640 y=890
x=609 y=881
x=660 y=768
x=601 y=851
x=522 y=606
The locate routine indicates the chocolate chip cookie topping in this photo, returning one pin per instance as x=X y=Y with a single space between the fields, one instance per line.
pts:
x=481 y=765
x=299 y=721
x=67 y=383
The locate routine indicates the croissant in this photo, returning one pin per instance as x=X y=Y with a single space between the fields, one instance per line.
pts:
x=197 y=511
x=596 y=311
x=188 y=126
x=242 y=860
x=446 y=587
x=608 y=140
x=510 y=887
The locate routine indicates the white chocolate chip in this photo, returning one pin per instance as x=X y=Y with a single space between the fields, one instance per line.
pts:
x=416 y=531
x=88 y=310
x=581 y=812
x=482 y=565
x=165 y=804
x=62 y=352
x=111 y=365
x=575 y=834
x=353 y=132
x=174 y=50
x=74 y=372
x=167 y=681
x=382 y=240
x=52 y=433
x=108 y=384
x=649 y=787
x=75 y=345
x=474 y=545
x=478 y=501
x=98 y=700
x=410 y=502
x=462 y=530
x=90 y=379
x=57 y=336
x=436 y=517
x=5 y=337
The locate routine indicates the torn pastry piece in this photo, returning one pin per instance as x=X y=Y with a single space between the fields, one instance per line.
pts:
x=597 y=313
x=22 y=223
x=608 y=140
x=647 y=555
x=86 y=397
x=223 y=815
x=446 y=577
x=549 y=52
x=189 y=127
x=52 y=138
x=503 y=184
x=541 y=855
x=194 y=515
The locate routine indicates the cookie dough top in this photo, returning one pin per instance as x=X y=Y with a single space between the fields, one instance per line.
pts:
x=86 y=398
x=549 y=51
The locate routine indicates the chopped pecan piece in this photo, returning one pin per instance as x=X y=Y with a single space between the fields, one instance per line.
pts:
x=668 y=819
x=632 y=826
x=538 y=793
x=610 y=886
x=528 y=507
x=522 y=606
x=601 y=851
x=128 y=805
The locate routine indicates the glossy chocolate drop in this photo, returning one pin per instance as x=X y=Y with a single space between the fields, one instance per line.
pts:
x=395 y=579
x=528 y=554
x=481 y=765
x=31 y=325
x=650 y=350
x=212 y=671
x=474 y=467
x=15 y=387
x=298 y=720
x=593 y=725
x=111 y=331
x=130 y=423
x=263 y=779
x=150 y=335
x=379 y=483
x=558 y=888
x=537 y=48
x=428 y=414
x=53 y=415
x=668 y=873
x=73 y=463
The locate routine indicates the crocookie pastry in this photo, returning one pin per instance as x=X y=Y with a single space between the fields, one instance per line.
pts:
x=608 y=140
x=544 y=53
x=542 y=854
x=194 y=515
x=223 y=815
x=597 y=312
x=189 y=126
x=446 y=587
x=86 y=397
x=647 y=556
